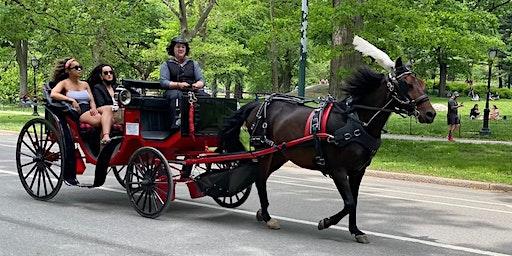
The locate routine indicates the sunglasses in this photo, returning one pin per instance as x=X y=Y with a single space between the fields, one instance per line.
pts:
x=105 y=73
x=77 y=68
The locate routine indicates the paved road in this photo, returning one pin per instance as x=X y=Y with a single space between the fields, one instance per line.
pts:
x=400 y=217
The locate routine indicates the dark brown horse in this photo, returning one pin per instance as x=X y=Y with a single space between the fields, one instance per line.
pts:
x=372 y=96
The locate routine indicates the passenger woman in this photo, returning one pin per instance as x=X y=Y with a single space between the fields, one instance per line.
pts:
x=69 y=88
x=103 y=81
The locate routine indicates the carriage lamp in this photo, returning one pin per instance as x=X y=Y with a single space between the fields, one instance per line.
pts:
x=485 y=129
x=123 y=96
x=35 y=64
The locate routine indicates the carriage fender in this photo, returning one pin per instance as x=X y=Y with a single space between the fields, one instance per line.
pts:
x=100 y=173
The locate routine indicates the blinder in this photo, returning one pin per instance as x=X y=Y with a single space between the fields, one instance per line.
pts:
x=399 y=89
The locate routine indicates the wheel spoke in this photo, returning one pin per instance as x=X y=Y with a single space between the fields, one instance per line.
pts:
x=33 y=150
x=31 y=170
x=132 y=193
x=34 y=178
x=35 y=136
x=43 y=173
x=159 y=198
x=53 y=173
x=145 y=199
x=38 y=180
x=161 y=190
x=48 y=177
x=140 y=197
x=23 y=165
x=51 y=163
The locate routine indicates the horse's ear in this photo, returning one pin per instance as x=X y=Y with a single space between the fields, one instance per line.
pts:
x=398 y=63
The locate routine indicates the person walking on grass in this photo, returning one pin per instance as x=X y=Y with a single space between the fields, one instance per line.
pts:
x=453 y=115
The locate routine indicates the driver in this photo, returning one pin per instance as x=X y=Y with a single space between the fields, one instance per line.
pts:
x=179 y=74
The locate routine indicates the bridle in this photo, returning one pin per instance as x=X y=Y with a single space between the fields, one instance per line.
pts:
x=397 y=92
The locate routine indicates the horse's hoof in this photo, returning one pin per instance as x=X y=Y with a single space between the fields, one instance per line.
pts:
x=322 y=224
x=362 y=239
x=259 y=217
x=273 y=224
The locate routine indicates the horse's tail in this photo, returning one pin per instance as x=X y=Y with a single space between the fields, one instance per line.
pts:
x=230 y=133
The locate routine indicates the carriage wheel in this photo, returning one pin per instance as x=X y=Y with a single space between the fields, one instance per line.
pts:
x=227 y=201
x=120 y=173
x=39 y=159
x=149 y=182
x=235 y=200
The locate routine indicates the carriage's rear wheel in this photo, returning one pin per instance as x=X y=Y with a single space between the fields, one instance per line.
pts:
x=235 y=200
x=39 y=159
x=149 y=182
x=227 y=201
x=120 y=173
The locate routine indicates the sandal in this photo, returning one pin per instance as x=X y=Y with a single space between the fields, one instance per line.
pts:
x=104 y=141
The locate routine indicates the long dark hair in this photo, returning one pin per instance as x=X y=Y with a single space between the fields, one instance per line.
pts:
x=59 y=71
x=95 y=75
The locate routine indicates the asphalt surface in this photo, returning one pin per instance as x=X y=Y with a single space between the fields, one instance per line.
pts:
x=400 y=218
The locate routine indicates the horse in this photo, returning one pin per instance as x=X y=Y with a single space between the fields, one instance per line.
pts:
x=371 y=98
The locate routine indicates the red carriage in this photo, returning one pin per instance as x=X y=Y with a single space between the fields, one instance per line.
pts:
x=145 y=155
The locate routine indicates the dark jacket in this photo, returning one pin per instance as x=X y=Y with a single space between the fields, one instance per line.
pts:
x=101 y=95
x=182 y=73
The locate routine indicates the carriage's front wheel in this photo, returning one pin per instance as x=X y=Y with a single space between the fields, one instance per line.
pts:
x=39 y=159
x=149 y=182
x=234 y=200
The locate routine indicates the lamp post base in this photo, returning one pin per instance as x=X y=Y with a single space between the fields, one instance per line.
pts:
x=485 y=131
x=35 y=109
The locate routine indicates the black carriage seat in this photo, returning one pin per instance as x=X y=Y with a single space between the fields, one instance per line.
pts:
x=64 y=108
x=154 y=110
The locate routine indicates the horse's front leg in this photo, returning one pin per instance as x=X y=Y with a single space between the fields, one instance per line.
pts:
x=343 y=185
x=355 y=182
x=261 y=186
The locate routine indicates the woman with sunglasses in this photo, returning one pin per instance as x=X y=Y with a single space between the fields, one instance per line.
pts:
x=69 y=88
x=103 y=81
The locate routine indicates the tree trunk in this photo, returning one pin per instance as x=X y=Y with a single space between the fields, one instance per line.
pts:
x=509 y=80
x=286 y=79
x=239 y=87
x=227 y=87
x=443 y=70
x=214 y=87
x=348 y=60
x=273 y=52
x=22 y=60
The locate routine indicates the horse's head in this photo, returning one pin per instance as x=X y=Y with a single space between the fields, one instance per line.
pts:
x=409 y=92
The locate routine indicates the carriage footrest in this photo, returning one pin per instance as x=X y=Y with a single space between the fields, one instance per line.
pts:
x=83 y=185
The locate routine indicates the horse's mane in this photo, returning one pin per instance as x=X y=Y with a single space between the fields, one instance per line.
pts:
x=363 y=81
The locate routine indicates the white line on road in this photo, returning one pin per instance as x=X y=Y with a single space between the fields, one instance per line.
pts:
x=9 y=146
x=394 y=197
x=310 y=223
x=402 y=192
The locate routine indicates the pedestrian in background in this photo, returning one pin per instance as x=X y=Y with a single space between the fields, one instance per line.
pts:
x=453 y=115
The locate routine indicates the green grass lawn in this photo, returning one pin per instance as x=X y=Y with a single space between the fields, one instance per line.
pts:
x=14 y=120
x=479 y=162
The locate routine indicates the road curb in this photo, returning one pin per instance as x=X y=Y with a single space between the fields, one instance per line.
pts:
x=440 y=181
x=7 y=132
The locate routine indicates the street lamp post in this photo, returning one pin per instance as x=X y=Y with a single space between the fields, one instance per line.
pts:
x=35 y=65
x=485 y=129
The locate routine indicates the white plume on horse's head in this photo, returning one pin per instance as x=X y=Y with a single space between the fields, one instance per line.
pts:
x=368 y=49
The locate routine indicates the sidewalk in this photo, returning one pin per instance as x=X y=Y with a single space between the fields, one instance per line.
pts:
x=429 y=138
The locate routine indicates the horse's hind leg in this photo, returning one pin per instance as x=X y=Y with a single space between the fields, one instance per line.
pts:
x=261 y=185
x=344 y=188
